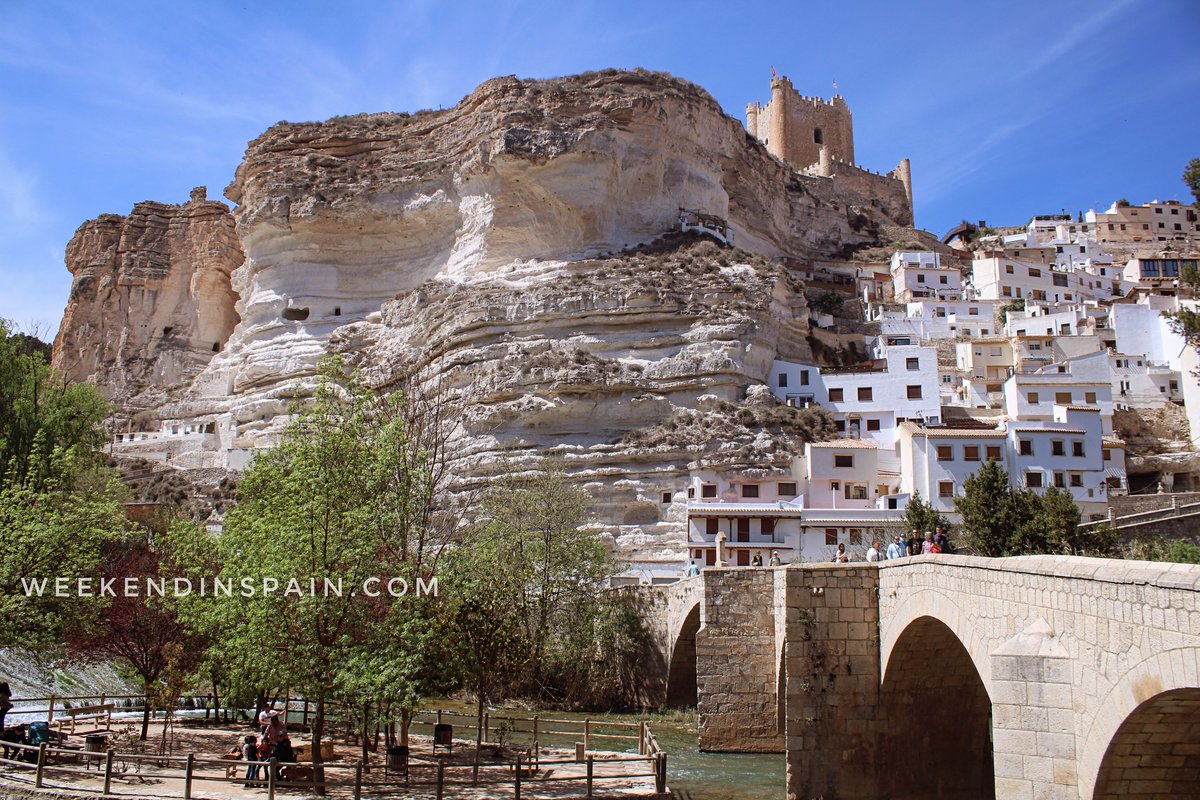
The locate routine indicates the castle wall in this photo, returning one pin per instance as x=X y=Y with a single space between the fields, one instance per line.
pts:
x=886 y=191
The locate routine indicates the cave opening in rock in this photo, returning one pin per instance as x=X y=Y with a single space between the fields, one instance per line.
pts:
x=216 y=347
x=296 y=314
x=167 y=330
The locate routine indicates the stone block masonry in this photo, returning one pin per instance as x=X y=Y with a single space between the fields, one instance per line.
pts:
x=958 y=677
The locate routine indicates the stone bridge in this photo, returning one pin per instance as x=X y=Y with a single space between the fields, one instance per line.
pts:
x=945 y=676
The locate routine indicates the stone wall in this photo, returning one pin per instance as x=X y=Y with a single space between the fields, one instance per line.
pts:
x=1137 y=503
x=737 y=660
x=832 y=658
x=1067 y=649
x=957 y=677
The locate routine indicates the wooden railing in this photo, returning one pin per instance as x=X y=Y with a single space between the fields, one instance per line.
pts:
x=592 y=766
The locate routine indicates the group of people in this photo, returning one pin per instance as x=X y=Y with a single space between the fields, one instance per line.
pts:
x=273 y=742
x=934 y=541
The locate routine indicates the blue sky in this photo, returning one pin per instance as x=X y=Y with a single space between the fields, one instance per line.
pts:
x=1006 y=108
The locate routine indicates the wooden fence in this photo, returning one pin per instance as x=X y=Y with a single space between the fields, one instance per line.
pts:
x=592 y=768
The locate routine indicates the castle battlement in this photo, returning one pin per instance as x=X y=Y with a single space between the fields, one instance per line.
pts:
x=814 y=135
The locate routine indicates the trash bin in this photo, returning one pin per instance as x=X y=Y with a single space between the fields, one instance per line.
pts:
x=94 y=744
x=443 y=736
x=397 y=760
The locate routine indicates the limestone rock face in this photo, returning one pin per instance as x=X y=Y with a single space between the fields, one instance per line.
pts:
x=151 y=301
x=515 y=253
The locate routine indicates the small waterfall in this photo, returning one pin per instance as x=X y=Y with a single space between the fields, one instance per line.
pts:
x=31 y=675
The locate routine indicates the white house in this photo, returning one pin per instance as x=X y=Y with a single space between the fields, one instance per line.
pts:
x=918 y=274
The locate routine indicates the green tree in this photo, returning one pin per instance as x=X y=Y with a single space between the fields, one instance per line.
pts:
x=1191 y=176
x=987 y=510
x=921 y=516
x=327 y=519
x=58 y=504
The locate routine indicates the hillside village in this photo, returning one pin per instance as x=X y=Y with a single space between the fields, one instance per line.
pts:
x=1020 y=348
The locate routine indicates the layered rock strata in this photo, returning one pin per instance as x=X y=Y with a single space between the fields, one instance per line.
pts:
x=498 y=252
x=151 y=300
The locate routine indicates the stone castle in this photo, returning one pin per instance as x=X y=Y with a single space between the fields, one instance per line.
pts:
x=816 y=136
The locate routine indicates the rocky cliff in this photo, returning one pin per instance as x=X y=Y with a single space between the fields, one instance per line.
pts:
x=516 y=253
x=151 y=299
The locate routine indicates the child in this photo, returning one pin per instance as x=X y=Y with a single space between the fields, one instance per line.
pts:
x=250 y=753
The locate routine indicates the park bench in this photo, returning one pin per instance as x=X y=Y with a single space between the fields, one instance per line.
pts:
x=96 y=714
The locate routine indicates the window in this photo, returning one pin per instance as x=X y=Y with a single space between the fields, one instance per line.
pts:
x=1062 y=397
x=1076 y=479
x=712 y=526
x=1026 y=447
x=768 y=526
x=1008 y=269
x=839 y=425
x=914 y=391
x=872 y=424
x=1057 y=448
x=818 y=136
x=666 y=498
x=787 y=489
x=1033 y=480
x=920 y=278
x=1032 y=397
x=971 y=452
x=855 y=536
x=1035 y=273
x=856 y=491
x=945 y=488
x=1089 y=398
x=973 y=311
x=1060 y=480
x=831 y=536
x=912 y=363
x=835 y=395
x=944 y=279
x=864 y=393
x=945 y=452
x=804 y=377
x=708 y=490
x=845 y=461
x=749 y=490
x=743 y=529
x=1107 y=455
x=691 y=493
x=1077 y=449
x=1032 y=345
x=993 y=452
x=1007 y=291
x=782 y=379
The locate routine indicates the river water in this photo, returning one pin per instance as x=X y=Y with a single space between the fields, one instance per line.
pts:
x=691 y=774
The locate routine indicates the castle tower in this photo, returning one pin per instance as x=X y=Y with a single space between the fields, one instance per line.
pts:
x=904 y=174
x=795 y=127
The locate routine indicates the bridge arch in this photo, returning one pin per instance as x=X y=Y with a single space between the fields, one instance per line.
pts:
x=945 y=608
x=681 y=671
x=937 y=739
x=1146 y=735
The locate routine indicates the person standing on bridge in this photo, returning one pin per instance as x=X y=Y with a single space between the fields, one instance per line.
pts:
x=873 y=553
x=896 y=549
x=939 y=538
x=775 y=562
x=693 y=570
x=841 y=556
x=927 y=545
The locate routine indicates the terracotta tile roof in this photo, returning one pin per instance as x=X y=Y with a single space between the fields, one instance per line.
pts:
x=1083 y=408
x=844 y=443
